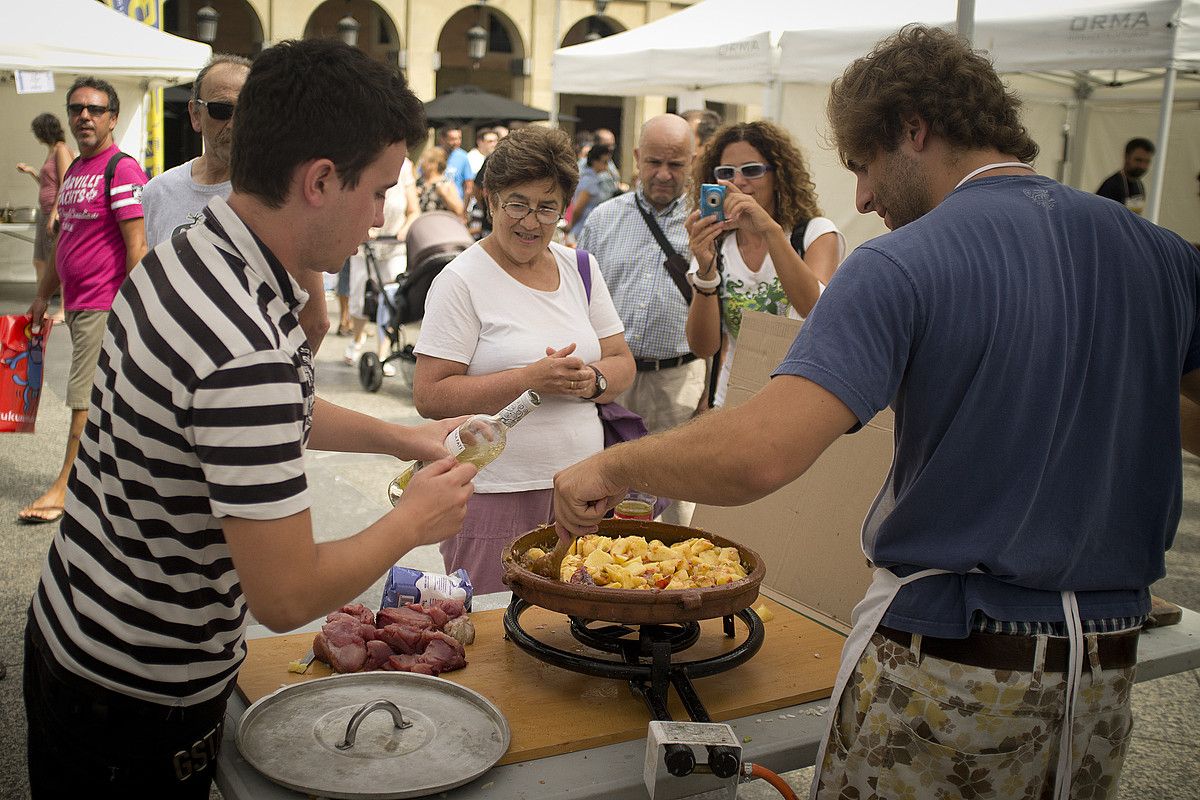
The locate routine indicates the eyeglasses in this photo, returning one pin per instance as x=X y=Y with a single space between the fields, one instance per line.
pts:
x=216 y=109
x=755 y=169
x=519 y=211
x=75 y=109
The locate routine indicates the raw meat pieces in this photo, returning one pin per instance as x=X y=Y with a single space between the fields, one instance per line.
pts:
x=408 y=639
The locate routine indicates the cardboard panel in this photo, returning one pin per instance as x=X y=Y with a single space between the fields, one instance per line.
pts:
x=808 y=532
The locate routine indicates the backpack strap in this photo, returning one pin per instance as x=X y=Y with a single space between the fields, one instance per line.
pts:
x=797 y=237
x=110 y=171
x=585 y=272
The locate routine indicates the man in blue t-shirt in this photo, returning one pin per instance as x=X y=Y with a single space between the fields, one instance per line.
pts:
x=458 y=163
x=1033 y=340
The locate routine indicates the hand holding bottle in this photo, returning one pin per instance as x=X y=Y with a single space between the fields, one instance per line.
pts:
x=427 y=442
x=479 y=440
x=561 y=373
x=435 y=502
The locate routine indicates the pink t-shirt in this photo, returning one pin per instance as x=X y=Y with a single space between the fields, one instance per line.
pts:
x=91 y=250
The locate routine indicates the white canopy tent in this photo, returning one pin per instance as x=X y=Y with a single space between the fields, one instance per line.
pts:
x=71 y=38
x=796 y=48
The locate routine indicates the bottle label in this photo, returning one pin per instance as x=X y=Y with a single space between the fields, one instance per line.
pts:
x=454 y=443
x=518 y=409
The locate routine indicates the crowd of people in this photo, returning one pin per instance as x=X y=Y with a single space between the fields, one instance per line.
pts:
x=987 y=319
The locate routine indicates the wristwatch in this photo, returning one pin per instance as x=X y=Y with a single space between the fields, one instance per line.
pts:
x=601 y=383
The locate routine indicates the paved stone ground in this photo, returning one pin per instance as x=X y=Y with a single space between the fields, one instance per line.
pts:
x=1164 y=761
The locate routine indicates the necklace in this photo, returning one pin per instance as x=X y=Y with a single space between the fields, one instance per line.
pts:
x=997 y=165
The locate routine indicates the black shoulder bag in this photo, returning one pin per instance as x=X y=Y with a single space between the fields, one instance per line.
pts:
x=676 y=265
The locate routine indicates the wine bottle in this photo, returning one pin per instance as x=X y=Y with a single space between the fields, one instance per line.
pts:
x=479 y=441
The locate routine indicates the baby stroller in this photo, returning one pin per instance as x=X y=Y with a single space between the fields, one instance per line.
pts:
x=433 y=241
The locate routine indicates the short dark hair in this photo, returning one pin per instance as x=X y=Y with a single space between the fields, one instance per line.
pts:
x=534 y=153
x=482 y=132
x=48 y=129
x=100 y=85
x=443 y=131
x=218 y=58
x=1139 y=143
x=317 y=98
x=933 y=74
x=598 y=152
x=706 y=121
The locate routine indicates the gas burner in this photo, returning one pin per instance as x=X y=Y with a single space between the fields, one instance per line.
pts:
x=648 y=665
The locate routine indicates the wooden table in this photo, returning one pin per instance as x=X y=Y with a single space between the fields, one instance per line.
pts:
x=781 y=740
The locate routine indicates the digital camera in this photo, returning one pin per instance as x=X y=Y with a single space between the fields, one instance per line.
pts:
x=712 y=200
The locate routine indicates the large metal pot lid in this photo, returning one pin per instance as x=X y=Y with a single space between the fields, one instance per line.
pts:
x=297 y=736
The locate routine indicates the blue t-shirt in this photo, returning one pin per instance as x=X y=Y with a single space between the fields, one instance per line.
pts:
x=458 y=169
x=598 y=192
x=1031 y=339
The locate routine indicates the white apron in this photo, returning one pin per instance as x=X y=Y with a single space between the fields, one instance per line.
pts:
x=870 y=612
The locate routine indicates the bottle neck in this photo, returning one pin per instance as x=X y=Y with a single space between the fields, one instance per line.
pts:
x=518 y=409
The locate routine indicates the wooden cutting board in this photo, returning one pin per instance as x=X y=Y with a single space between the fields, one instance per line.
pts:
x=552 y=710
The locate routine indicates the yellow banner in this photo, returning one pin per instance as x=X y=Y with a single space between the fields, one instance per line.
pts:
x=148 y=12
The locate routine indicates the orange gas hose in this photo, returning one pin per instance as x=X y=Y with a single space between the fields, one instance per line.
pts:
x=781 y=786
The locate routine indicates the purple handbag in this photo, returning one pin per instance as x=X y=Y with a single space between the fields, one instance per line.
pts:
x=619 y=423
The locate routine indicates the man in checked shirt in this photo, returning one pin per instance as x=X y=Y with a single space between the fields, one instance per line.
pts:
x=670 y=379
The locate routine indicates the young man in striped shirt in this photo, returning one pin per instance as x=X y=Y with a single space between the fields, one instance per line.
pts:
x=188 y=505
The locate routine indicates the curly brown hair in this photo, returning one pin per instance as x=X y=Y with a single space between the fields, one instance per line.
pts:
x=795 y=193
x=932 y=74
x=533 y=153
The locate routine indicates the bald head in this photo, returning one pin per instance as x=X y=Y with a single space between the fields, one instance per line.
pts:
x=666 y=147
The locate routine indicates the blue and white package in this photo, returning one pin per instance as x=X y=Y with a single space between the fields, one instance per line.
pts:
x=408 y=585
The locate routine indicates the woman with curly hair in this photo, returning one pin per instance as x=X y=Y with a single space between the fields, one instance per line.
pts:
x=782 y=251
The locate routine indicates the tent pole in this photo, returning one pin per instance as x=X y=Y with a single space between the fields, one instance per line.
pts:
x=1160 y=156
x=1079 y=132
x=966 y=20
x=557 y=34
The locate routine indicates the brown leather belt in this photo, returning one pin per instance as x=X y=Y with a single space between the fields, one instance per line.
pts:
x=649 y=365
x=1016 y=652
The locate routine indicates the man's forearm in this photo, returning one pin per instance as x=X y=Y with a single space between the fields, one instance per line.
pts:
x=736 y=455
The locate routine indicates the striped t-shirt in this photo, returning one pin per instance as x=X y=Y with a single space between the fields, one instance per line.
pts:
x=200 y=410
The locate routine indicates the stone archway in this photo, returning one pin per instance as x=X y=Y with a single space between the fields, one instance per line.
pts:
x=239 y=30
x=378 y=35
x=593 y=111
x=504 y=68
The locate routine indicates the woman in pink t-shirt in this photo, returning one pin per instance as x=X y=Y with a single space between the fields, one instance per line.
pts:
x=49 y=131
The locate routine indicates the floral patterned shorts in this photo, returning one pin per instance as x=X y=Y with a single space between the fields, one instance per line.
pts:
x=914 y=728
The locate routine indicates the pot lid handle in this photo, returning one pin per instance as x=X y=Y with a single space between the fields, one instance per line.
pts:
x=356 y=720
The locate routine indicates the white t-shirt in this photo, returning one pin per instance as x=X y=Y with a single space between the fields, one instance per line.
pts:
x=479 y=315
x=757 y=290
x=172 y=202
x=391 y=257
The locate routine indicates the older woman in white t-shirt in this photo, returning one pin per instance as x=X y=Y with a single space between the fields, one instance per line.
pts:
x=511 y=313
x=767 y=264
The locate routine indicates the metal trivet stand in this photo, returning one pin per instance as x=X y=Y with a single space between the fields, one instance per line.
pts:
x=648 y=667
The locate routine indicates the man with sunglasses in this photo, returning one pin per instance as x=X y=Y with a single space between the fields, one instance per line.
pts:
x=175 y=200
x=101 y=239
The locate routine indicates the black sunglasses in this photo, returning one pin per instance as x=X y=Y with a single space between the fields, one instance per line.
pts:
x=75 y=109
x=217 y=110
